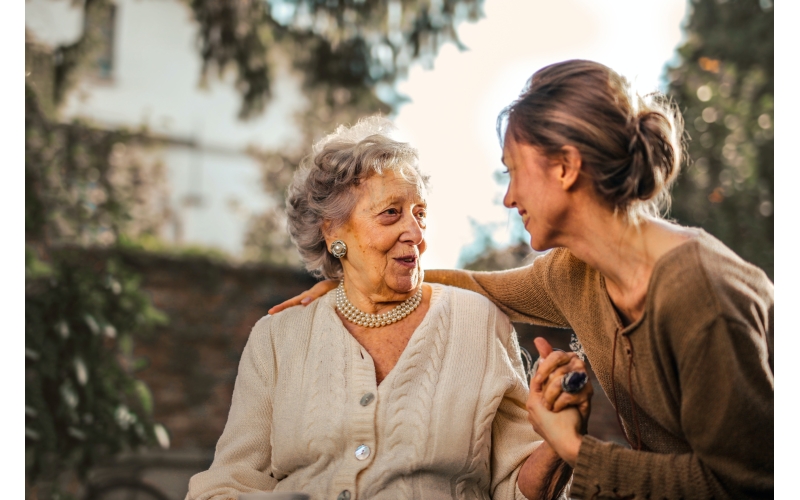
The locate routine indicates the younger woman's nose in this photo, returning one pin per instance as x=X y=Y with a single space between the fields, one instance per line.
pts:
x=508 y=201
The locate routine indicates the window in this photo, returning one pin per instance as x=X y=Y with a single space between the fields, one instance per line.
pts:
x=101 y=21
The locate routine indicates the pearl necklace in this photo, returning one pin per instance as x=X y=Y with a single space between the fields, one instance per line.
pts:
x=360 y=318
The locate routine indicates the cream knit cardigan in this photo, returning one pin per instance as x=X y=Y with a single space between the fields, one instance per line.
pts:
x=449 y=421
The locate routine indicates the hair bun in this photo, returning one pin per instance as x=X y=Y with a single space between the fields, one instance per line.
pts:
x=654 y=157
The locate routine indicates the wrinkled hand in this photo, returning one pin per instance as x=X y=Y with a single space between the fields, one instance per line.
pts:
x=558 y=417
x=562 y=430
x=306 y=297
x=553 y=365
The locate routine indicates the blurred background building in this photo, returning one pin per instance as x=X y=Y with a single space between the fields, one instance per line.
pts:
x=146 y=75
x=161 y=136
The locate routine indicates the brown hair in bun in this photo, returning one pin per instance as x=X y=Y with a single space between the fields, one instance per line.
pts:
x=630 y=145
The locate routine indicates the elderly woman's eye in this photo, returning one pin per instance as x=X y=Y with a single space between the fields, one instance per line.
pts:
x=422 y=214
x=392 y=211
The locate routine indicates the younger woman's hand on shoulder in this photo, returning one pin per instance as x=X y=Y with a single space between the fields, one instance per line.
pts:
x=306 y=297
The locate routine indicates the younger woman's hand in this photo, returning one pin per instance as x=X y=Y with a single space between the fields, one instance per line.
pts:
x=552 y=367
x=306 y=297
x=562 y=430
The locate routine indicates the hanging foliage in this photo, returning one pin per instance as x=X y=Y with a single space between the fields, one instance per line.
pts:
x=85 y=185
x=350 y=53
x=83 y=402
x=354 y=45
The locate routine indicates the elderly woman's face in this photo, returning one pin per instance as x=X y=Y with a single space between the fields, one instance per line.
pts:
x=385 y=236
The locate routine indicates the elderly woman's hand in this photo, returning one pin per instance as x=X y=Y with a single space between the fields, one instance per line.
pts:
x=552 y=367
x=306 y=297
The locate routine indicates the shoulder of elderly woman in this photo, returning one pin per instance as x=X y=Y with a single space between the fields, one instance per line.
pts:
x=476 y=306
x=295 y=319
x=473 y=300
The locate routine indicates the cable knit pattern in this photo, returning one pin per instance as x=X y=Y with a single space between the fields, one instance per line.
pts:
x=693 y=376
x=327 y=391
x=467 y=486
x=413 y=391
x=448 y=421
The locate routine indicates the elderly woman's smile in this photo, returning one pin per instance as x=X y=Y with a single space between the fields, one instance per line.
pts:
x=385 y=237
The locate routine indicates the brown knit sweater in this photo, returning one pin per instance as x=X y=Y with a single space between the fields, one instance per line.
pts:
x=692 y=379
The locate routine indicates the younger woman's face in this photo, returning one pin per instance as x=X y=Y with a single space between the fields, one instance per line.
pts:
x=536 y=192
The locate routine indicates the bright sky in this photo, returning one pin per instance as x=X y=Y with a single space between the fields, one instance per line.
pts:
x=451 y=118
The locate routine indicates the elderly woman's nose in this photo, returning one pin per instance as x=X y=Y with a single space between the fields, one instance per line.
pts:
x=413 y=231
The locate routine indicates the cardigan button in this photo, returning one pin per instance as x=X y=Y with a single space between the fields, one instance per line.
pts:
x=362 y=452
x=344 y=495
x=367 y=399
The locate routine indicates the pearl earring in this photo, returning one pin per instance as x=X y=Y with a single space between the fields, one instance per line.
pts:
x=338 y=249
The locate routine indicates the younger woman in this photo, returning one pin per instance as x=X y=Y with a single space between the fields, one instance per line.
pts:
x=676 y=326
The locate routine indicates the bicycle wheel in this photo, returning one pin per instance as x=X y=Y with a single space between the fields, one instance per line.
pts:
x=125 y=490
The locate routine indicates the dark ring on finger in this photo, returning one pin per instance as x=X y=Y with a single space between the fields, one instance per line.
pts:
x=574 y=382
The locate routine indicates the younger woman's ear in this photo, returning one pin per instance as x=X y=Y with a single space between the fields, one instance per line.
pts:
x=571 y=164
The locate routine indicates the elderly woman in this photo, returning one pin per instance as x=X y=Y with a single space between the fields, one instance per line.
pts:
x=386 y=387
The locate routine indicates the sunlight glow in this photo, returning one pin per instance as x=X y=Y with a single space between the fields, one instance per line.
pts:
x=453 y=108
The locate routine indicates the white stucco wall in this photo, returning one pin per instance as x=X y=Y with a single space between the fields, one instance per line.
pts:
x=155 y=83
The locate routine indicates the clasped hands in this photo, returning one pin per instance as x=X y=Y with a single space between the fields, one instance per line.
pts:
x=559 y=417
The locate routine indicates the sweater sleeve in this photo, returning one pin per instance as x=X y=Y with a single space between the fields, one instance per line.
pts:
x=520 y=293
x=513 y=437
x=242 y=458
x=726 y=414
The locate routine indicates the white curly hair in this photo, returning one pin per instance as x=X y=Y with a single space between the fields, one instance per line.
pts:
x=323 y=184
